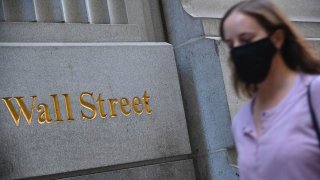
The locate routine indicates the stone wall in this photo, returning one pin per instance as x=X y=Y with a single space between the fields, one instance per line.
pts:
x=91 y=68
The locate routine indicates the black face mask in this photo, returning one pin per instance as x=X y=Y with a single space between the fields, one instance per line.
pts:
x=253 y=61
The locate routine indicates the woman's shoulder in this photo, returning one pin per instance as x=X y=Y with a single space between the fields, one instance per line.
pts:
x=315 y=87
x=246 y=107
x=315 y=82
x=242 y=115
x=313 y=79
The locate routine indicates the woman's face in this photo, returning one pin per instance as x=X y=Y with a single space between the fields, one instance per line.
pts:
x=240 y=29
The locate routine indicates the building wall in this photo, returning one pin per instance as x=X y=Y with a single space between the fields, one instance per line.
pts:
x=93 y=55
x=121 y=48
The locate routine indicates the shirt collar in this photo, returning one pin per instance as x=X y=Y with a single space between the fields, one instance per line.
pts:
x=248 y=125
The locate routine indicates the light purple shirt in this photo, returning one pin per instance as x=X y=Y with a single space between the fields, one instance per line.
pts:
x=288 y=148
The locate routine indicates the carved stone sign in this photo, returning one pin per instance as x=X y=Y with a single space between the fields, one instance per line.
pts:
x=68 y=107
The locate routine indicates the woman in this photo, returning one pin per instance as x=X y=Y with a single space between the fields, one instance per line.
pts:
x=272 y=64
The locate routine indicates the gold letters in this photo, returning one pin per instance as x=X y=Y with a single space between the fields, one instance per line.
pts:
x=26 y=113
x=44 y=115
x=100 y=105
x=124 y=102
x=146 y=102
x=136 y=102
x=112 y=102
x=68 y=106
x=56 y=107
x=88 y=106
x=138 y=105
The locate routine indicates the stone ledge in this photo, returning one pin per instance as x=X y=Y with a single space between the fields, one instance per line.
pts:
x=307 y=11
x=171 y=170
x=308 y=29
x=315 y=44
x=68 y=32
x=86 y=44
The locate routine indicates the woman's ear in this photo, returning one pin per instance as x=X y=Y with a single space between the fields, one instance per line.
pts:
x=278 y=38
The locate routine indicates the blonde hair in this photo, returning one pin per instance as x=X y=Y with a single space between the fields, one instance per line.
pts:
x=296 y=52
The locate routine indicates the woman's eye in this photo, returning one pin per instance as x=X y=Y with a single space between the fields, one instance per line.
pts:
x=246 y=41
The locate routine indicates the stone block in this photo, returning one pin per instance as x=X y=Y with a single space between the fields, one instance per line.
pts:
x=315 y=44
x=179 y=170
x=221 y=167
x=309 y=29
x=114 y=70
x=216 y=166
x=68 y=32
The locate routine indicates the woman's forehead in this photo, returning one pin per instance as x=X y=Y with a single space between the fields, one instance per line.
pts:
x=237 y=23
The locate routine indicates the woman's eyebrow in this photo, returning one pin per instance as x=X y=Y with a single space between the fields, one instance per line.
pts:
x=246 y=34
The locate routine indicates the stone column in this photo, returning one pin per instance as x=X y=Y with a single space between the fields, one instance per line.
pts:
x=147 y=14
x=74 y=11
x=203 y=91
x=18 y=10
x=1 y=12
x=98 y=12
x=117 y=12
x=48 y=10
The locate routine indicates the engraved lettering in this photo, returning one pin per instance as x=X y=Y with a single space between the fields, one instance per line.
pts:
x=146 y=102
x=90 y=105
x=56 y=107
x=87 y=105
x=44 y=113
x=22 y=108
x=68 y=107
x=136 y=102
x=124 y=102
x=100 y=106
x=112 y=102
